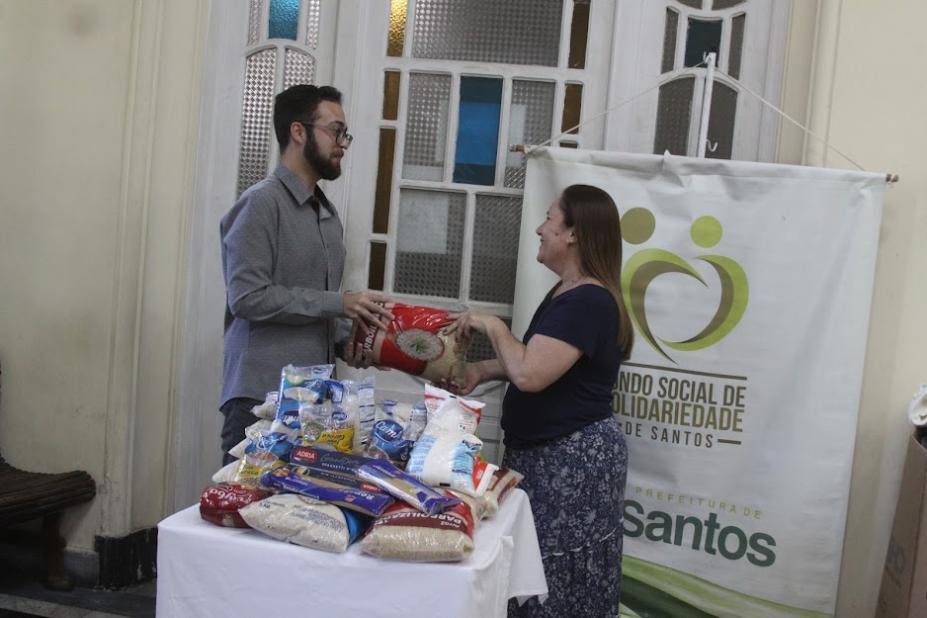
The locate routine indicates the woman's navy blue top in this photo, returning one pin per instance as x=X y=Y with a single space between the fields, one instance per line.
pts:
x=586 y=317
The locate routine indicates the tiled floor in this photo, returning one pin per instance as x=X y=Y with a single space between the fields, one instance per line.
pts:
x=26 y=597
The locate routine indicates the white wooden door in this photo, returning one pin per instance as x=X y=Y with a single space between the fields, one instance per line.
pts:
x=663 y=41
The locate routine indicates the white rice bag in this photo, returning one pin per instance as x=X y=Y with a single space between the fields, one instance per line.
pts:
x=226 y=473
x=303 y=521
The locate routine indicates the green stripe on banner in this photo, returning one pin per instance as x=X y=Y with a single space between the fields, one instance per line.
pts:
x=656 y=591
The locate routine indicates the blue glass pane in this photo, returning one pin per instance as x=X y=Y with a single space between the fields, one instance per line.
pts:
x=478 y=130
x=284 y=16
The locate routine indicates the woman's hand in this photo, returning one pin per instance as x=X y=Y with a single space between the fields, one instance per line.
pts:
x=466 y=322
x=473 y=376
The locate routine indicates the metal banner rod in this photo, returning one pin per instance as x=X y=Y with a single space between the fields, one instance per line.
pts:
x=710 y=60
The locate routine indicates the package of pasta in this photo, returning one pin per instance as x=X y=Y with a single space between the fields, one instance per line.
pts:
x=219 y=504
x=367 y=501
x=405 y=533
x=400 y=485
x=344 y=465
x=304 y=521
x=415 y=342
x=503 y=481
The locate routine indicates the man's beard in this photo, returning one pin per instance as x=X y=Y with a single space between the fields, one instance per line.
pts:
x=325 y=168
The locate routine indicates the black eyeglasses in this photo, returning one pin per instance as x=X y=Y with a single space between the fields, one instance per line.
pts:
x=340 y=134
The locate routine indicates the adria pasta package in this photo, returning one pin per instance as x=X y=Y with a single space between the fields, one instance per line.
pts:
x=415 y=343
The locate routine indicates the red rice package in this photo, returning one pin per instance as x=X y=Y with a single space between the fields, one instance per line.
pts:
x=405 y=533
x=415 y=343
x=219 y=504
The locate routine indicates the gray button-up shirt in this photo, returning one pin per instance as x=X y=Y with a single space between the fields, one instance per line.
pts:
x=282 y=258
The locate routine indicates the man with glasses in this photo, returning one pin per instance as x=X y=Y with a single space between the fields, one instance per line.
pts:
x=283 y=259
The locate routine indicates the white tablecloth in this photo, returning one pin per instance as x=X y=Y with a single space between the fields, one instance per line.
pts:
x=206 y=570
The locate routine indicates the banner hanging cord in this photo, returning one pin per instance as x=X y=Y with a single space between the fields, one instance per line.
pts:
x=526 y=149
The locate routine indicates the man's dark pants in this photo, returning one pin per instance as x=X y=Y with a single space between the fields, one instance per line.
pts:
x=237 y=413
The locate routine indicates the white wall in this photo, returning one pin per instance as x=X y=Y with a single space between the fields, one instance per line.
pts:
x=97 y=111
x=868 y=95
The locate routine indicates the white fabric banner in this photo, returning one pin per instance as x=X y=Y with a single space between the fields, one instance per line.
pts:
x=749 y=286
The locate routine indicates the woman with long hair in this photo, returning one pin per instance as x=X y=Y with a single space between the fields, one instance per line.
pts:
x=559 y=428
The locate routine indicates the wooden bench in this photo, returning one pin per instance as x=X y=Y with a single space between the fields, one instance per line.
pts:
x=26 y=496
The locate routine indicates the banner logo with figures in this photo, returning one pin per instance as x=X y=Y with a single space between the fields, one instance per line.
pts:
x=637 y=226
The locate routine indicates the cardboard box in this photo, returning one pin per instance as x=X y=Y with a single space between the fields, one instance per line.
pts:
x=904 y=579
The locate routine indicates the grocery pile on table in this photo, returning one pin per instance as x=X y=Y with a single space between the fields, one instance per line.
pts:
x=326 y=464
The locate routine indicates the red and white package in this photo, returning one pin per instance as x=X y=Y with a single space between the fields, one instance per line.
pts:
x=415 y=343
x=503 y=481
x=405 y=533
x=219 y=504
x=450 y=412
